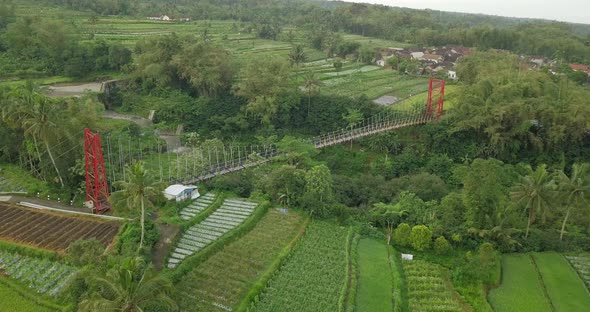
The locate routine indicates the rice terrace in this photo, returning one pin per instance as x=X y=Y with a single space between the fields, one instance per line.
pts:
x=293 y=156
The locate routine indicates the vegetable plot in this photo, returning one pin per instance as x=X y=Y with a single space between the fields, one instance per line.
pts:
x=582 y=266
x=230 y=215
x=45 y=276
x=428 y=288
x=314 y=275
x=51 y=231
x=221 y=282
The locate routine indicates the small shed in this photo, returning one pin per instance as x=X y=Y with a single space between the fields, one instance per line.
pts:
x=181 y=192
x=407 y=257
x=452 y=75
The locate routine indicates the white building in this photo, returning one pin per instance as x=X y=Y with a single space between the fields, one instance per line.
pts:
x=417 y=55
x=159 y=18
x=452 y=75
x=181 y=192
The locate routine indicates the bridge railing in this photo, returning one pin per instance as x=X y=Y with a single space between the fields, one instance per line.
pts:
x=386 y=123
x=382 y=123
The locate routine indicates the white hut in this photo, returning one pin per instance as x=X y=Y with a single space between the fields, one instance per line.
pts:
x=181 y=192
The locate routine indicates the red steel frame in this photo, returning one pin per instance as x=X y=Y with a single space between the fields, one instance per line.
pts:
x=436 y=93
x=97 y=188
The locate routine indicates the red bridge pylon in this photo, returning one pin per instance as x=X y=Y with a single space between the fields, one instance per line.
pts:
x=436 y=94
x=97 y=188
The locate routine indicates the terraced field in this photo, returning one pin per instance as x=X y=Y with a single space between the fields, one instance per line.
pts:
x=313 y=277
x=227 y=217
x=582 y=265
x=221 y=282
x=374 y=291
x=197 y=206
x=51 y=231
x=45 y=276
x=565 y=289
x=429 y=288
x=10 y=300
x=521 y=288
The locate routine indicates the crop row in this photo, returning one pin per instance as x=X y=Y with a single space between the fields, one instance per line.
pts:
x=227 y=217
x=428 y=289
x=582 y=266
x=51 y=231
x=224 y=279
x=313 y=277
x=45 y=276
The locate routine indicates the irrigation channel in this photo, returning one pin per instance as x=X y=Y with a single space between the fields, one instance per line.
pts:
x=182 y=164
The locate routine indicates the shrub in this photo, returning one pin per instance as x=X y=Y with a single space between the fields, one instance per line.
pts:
x=421 y=237
x=488 y=260
x=441 y=246
x=83 y=252
x=401 y=236
x=131 y=235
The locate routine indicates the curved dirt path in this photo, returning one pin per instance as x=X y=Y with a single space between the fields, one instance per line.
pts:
x=172 y=141
x=73 y=89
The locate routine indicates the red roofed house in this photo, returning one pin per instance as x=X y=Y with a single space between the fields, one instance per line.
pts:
x=580 y=67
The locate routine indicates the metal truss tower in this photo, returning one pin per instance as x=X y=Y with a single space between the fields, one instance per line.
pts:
x=97 y=188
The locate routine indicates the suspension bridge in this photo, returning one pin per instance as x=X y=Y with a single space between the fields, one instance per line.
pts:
x=193 y=165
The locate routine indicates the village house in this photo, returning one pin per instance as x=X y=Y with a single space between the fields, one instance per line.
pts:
x=159 y=18
x=433 y=58
x=580 y=67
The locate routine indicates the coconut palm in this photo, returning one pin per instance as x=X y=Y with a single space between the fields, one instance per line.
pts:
x=129 y=288
x=535 y=190
x=140 y=188
x=297 y=56
x=38 y=116
x=311 y=84
x=575 y=189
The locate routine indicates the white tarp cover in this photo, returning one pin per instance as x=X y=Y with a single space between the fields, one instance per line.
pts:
x=181 y=192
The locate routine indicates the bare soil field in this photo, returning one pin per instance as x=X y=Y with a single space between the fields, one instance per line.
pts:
x=51 y=231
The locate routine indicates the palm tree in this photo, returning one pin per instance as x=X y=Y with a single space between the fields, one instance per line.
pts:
x=129 y=288
x=575 y=189
x=311 y=84
x=352 y=117
x=140 y=188
x=38 y=116
x=535 y=189
x=297 y=56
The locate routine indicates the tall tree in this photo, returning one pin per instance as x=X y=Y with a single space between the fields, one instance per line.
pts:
x=575 y=190
x=138 y=190
x=38 y=116
x=388 y=215
x=318 y=189
x=352 y=117
x=128 y=288
x=297 y=56
x=262 y=81
x=205 y=66
x=311 y=84
x=536 y=190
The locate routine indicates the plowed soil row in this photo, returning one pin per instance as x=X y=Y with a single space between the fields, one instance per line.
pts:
x=49 y=230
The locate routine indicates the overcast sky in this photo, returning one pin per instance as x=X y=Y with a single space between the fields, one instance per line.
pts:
x=577 y=11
